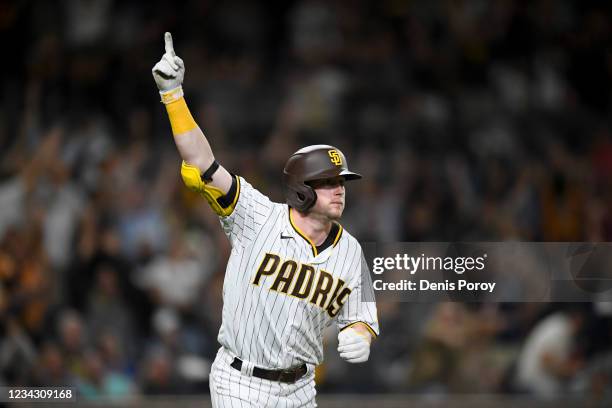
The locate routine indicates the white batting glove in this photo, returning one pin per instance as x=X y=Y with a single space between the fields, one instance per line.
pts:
x=353 y=346
x=170 y=70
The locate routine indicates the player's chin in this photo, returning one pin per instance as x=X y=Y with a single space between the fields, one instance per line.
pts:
x=335 y=213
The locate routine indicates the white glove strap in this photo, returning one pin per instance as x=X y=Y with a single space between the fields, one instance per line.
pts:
x=172 y=95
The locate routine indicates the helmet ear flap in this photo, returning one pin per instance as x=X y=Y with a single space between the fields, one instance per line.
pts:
x=300 y=196
x=313 y=198
x=310 y=197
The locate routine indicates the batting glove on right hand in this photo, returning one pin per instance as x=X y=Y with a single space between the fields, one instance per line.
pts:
x=170 y=70
x=353 y=346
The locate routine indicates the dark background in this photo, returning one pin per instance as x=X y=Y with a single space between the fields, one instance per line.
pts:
x=471 y=120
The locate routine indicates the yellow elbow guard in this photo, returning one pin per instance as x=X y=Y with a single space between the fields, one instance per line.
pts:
x=221 y=203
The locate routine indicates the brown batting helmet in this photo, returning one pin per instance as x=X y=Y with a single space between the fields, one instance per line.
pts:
x=312 y=163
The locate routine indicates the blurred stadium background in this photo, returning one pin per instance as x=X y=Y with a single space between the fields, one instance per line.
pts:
x=472 y=120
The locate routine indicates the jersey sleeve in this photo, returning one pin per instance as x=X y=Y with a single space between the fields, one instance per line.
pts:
x=361 y=303
x=249 y=214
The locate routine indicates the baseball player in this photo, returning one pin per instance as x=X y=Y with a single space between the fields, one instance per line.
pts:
x=293 y=269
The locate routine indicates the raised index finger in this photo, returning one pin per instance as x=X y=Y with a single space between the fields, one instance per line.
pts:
x=169 y=45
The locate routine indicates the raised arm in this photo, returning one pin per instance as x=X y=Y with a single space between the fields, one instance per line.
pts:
x=199 y=169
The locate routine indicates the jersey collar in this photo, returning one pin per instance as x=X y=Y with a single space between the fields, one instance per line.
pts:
x=331 y=241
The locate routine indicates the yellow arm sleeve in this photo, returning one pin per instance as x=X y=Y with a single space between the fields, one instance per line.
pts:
x=180 y=117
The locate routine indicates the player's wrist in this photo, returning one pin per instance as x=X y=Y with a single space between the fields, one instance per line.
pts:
x=171 y=95
x=363 y=331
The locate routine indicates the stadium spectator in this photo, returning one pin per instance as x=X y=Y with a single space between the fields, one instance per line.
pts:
x=549 y=360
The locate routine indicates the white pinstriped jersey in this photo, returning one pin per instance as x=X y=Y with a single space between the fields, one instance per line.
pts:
x=279 y=293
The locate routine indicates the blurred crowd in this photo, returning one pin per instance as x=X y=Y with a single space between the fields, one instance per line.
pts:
x=472 y=120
